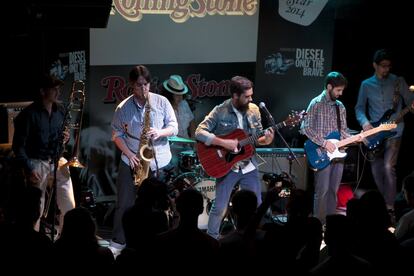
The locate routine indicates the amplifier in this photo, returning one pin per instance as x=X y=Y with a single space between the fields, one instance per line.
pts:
x=279 y=160
x=9 y=111
x=280 y=152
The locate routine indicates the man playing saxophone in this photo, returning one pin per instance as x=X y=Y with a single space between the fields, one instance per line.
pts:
x=141 y=124
x=37 y=140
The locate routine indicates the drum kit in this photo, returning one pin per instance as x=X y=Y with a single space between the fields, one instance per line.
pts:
x=192 y=176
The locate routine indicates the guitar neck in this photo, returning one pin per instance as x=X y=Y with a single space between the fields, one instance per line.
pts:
x=355 y=138
x=402 y=114
x=253 y=138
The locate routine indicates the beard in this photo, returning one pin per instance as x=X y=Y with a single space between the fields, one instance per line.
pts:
x=242 y=107
x=332 y=95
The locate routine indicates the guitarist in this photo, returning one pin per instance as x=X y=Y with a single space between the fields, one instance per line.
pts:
x=326 y=114
x=238 y=112
x=381 y=93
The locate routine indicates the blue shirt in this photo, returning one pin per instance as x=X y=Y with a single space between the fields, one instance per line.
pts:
x=127 y=123
x=376 y=97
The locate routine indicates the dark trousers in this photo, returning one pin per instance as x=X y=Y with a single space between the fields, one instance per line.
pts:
x=383 y=170
x=126 y=195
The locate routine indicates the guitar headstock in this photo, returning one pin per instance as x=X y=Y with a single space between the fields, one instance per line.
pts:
x=294 y=118
x=387 y=126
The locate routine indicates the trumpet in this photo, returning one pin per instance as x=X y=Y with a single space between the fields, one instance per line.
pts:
x=73 y=120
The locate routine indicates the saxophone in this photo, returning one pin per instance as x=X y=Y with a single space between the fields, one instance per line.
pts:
x=145 y=151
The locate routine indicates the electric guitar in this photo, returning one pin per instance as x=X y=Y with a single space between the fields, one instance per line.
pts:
x=319 y=158
x=218 y=161
x=375 y=141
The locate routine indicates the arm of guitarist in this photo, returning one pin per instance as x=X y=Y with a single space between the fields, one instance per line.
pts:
x=360 y=109
x=204 y=132
x=307 y=128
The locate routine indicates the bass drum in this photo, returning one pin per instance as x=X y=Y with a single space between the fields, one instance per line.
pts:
x=206 y=186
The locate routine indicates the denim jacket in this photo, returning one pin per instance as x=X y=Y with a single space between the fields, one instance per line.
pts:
x=222 y=120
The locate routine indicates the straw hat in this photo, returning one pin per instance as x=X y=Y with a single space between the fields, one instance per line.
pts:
x=175 y=85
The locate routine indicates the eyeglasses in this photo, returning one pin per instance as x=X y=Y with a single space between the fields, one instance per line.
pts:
x=385 y=65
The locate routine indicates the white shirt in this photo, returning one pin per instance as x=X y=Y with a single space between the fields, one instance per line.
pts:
x=236 y=167
x=184 y=117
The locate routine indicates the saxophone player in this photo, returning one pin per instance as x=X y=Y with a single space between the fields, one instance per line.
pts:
x=36 y=141
x=133 y=125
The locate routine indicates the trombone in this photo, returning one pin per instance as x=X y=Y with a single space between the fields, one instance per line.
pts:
x=74 y=120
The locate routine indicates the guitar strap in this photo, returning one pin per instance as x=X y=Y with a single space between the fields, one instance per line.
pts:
x=396 y=97
x=338 y=118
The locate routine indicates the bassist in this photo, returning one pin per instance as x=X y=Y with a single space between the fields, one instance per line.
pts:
x=238 y=112
x=380 y=96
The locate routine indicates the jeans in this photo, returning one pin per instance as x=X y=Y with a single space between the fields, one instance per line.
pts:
x=383 y=170
x=224 y=187
x=327 y=183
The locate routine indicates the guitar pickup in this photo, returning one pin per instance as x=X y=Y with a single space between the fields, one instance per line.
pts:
x=219 y=153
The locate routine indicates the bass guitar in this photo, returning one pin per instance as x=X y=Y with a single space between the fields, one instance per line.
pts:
x=218 y=161
x=319 y=158
x=376 y=140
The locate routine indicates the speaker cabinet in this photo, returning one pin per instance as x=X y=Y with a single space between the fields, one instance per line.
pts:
x=278 y=161
x=9 y=111
x=352 y=166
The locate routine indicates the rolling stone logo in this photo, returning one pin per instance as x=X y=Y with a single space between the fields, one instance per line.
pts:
x=117 y=88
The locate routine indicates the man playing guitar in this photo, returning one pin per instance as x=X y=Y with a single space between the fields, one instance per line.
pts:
x=381 y=99
x=238 y=112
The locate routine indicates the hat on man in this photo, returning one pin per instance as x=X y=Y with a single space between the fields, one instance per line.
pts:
x=49 y=81
x=175 y=85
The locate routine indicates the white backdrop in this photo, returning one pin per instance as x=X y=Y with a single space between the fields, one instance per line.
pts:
x=156 y=39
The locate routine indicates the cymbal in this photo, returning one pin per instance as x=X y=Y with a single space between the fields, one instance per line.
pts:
x=176 y=139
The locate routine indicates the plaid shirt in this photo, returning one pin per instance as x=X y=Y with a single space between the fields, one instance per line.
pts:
x=321 y=119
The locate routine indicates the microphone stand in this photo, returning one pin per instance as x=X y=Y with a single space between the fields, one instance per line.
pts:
x=291 y=153
x=59 y=149
x=53 y=192
x=54 y=188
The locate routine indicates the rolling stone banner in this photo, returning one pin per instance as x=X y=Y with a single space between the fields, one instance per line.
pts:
x=208 y=85
x=294 y=54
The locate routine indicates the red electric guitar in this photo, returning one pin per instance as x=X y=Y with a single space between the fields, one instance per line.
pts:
x=218 y=161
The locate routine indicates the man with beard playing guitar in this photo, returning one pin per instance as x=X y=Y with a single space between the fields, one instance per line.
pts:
x=238 y=112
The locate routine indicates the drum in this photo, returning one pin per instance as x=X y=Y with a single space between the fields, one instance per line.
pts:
x=188 y=160
x=207 y=187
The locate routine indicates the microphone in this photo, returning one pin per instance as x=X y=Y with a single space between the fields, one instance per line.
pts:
x=264 y=108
